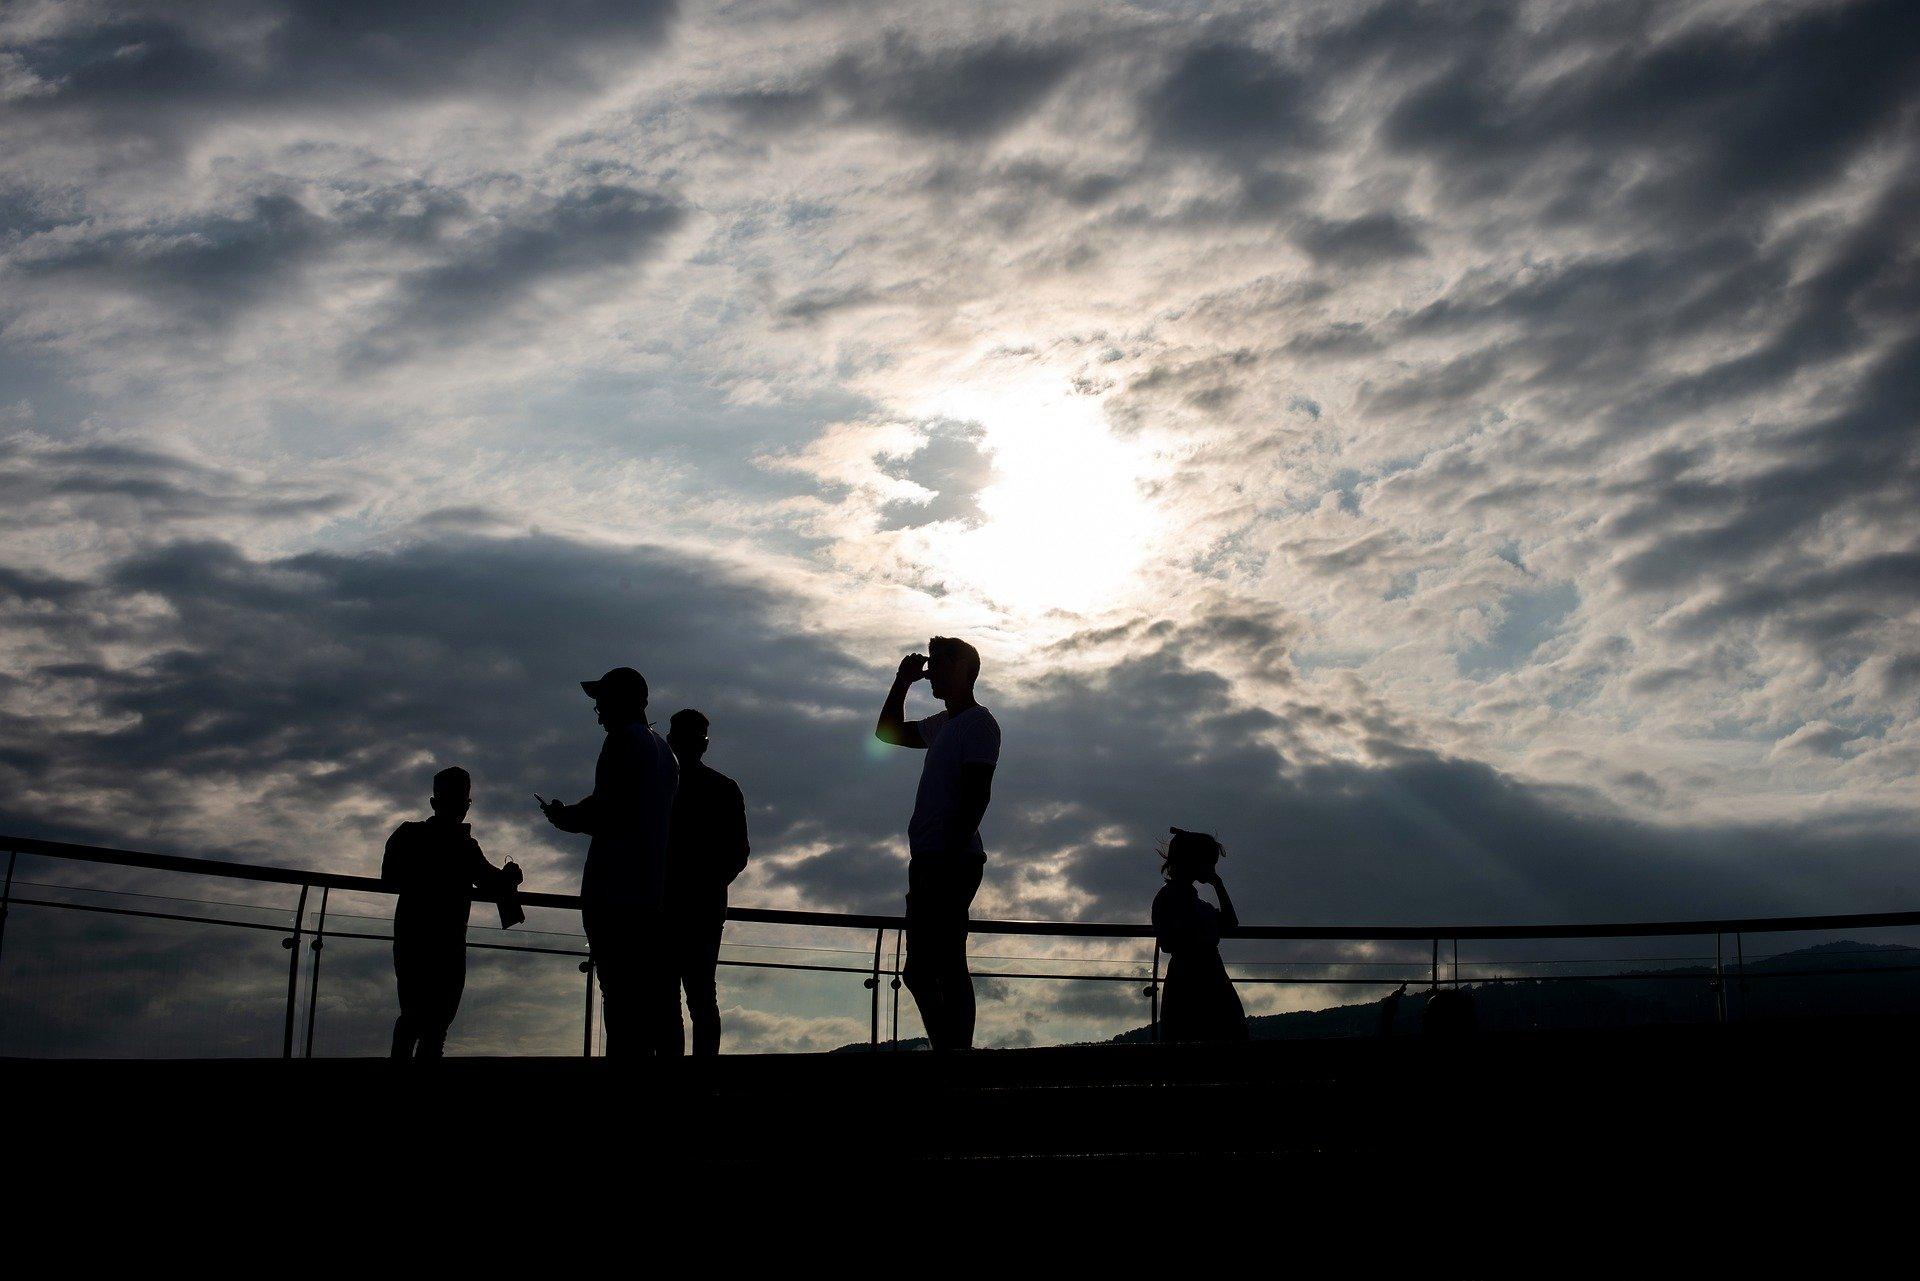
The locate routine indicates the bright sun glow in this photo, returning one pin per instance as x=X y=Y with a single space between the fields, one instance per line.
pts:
x=1067 y=525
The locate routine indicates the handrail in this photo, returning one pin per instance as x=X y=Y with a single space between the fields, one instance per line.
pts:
x=1080 y=929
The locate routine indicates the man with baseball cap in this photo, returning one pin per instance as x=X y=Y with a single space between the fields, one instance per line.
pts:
x=624 y=884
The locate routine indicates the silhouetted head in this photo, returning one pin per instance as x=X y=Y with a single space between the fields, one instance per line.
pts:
x=687 y=735
x=452 y=793
x=952 y=666
x=1190 y=856
x=619 y=697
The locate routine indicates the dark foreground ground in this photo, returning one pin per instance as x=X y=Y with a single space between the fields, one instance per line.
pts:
x=1825 y=1092
x=1783 y=1149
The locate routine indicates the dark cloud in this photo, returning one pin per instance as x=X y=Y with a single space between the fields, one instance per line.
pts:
x=28 y=587
x=1235 y=102
x=1718 y=113
x=969 y=93
x=1414 y=836
x=45 y=483
x=349 y=672
x=211 y=269
x=819 y=302
x=205 y=270
x=954 y=465
x=852 y=873
x=309 y=679
x=1440 y=386
x=1027 y=182
x=599 y=233
x=1862 y=455
x=1359 y=242
x=151 y=66
x=1684 y=305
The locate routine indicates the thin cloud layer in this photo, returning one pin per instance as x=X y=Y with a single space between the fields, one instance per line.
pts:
x=140 y=66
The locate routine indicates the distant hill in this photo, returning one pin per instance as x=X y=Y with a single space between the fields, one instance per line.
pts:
x=861 y=1047
x=1792 y=985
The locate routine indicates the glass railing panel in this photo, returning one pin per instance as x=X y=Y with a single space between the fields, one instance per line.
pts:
x=82 y=977
x=797 y=989
x=1036 y=990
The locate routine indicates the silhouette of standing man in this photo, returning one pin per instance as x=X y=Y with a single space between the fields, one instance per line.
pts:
x=436 y=865
x=706 y=850
x=945 y=854
x=624 y=885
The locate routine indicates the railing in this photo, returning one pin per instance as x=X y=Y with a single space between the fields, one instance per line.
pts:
x=883 y=972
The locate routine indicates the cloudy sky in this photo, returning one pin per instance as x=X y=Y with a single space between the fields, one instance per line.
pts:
x=1462 y=453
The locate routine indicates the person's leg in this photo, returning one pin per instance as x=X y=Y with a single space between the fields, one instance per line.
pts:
x=956 y=992
x=699 y=959
x=603 y=948
x=449 y=982
x=663 y=964
x=405 y=1028
x=403 y=1038
x=433 y=1040
x=920 y=973
x=958 y=997
x=667 y=1034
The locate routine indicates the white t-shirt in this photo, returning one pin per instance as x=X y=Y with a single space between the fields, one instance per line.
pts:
x=971 y=738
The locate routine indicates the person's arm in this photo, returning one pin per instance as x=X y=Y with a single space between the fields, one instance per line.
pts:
x=487 y=878
x=571 y=818
x=1229 y=919
x=736 y=834
x=392 y=864
x=893 y=726
x=979 y=752
x=976 y=789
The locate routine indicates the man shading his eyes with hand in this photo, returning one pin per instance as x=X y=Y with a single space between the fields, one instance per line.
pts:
x=946 y=855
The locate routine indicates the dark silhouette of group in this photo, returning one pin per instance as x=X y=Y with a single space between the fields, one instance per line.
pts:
x=669 y=835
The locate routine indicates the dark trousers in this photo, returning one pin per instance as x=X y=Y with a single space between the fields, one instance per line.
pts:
x=939 y=892
x=639 y=994
x=432 y=975
x=697 y=927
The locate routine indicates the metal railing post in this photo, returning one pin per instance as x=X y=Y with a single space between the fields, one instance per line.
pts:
x=6 y=896
x=313 y=982
x=586 y=968
x=1740 y=960
x=894 y=983
x=1153 y=997
x=1720 y=977
x=1434 y=978
x=293 y=971
x=873 y=989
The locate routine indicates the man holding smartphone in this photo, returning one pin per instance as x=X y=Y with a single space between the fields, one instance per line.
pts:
x=624 y=885
x=946 y=856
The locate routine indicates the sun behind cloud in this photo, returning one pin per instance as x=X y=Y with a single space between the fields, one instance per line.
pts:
x=1067 y=525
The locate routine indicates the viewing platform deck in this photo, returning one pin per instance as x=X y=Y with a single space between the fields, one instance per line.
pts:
x=1832 y=1090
